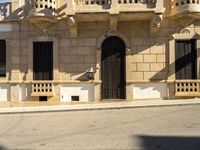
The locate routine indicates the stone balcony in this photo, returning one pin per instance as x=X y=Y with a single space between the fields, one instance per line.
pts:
x=114 y=11
x=42 y=12
x=145 y=7
x=189 y=8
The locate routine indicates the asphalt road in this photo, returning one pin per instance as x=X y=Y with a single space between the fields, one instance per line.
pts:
x=153 y=128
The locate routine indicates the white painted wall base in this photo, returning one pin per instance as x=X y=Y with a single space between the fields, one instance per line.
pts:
x=84 y=91
x=4 y=92
x=149 y=91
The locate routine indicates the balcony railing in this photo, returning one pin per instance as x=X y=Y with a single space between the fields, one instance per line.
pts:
x=42 y=89
x=5 y=10
x=136 y=5
x=119 y=5
x=180 y=7
x=92 y=2
x=42 y=8
x=92 y=5
x=190 y=88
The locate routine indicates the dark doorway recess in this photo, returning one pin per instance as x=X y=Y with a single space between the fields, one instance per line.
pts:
x=113 y=68
x=186 y=56
x=43 y=60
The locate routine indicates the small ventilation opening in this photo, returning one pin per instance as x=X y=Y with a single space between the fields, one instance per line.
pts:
x=43 y=98
x=75 y=98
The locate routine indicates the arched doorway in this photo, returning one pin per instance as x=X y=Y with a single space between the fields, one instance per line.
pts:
x=113 y=68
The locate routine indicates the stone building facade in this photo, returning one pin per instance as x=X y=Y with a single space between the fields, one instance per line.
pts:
x=90 y=50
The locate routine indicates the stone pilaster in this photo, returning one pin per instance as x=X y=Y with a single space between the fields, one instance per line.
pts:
x=15 y=92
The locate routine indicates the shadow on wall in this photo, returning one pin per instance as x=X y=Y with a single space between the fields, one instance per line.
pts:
x=23 y=11
x=169 y=142
x=173 y=64
x=3 y=148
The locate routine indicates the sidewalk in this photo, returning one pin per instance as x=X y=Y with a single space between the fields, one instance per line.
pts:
x=103 y=105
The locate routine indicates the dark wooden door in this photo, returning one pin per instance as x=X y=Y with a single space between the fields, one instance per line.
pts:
x=186 y=55
x=43 y=60
x=113 y=68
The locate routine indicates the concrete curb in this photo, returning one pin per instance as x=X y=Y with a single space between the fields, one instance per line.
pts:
x=106 y=105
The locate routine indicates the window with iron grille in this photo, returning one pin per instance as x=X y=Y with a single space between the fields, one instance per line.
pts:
x=2 y=58
x=186 y=57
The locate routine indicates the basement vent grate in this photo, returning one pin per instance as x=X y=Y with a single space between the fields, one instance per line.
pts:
x=75 y=98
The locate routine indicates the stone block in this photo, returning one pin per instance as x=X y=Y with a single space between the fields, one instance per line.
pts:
x=66 y=59
x=15 y=51
x=70 y=51
x=77 y=59
x=83 y=67
x=15 y=92
x=149 y=58
x=24 y=60
x=15 y=27
x=24 y=43
x=24 y=27
x=64 y=42
x=149 y=41
x=143 y=67
x=137 y=41
x=90 y=59
x=73 y=42
x=15 y=60
x=133 y=67
x=143 y=49
x=65 y=76
x=157 y=49
x=90 y=42
x=137 y=58
x=150 y=75
x=161 y=58
x=137 y=75
x=83 y=50
x=80 y=42
x=70 y=68
x=156 y=66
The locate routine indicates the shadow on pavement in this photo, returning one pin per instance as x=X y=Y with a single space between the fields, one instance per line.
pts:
x=169 y=142
x=3 y=148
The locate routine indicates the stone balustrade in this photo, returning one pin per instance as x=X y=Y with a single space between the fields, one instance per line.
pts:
x=93 y=2
x=180 y=7
x=42 y=89
x=42 y=8
x=5 y=9
x=135 y=2
x=43 y=4
x=92 y=5
x=118 y=5
x=187 y=88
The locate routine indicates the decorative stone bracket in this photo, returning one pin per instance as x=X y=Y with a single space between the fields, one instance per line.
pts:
x=184 y=22
x=113 y=22
x=73 y=26
x=42 y=23
x=155 y=24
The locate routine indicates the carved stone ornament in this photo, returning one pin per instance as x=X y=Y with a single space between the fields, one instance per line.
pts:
x=43 y=25
x=184 y=22
x=156 y=24
x=73 y=26
x=185 y=31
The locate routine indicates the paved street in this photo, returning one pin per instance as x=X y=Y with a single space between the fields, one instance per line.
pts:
x=152 y=128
